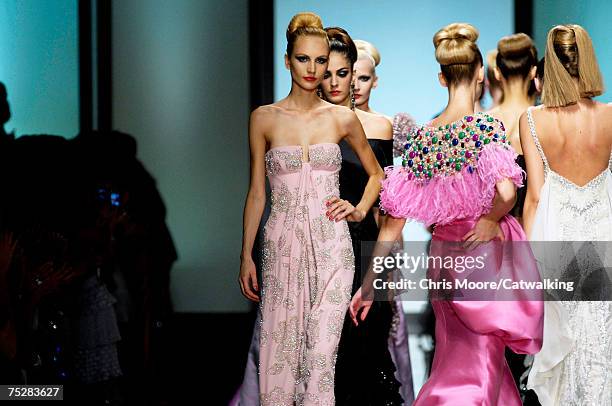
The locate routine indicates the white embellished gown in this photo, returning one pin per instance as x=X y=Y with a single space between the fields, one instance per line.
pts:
x=575 y=364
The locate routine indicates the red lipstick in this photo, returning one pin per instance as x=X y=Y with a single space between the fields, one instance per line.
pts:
x=310 y=78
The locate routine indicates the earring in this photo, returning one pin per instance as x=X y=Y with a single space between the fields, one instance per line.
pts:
x=319 y=93
x=352 y=96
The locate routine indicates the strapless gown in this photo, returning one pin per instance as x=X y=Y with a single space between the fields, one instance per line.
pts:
x=308 y=267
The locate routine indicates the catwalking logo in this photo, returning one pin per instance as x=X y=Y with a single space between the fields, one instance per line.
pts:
x=411 y=263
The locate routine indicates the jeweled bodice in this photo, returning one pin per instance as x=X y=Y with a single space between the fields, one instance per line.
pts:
x=288 y=159
x=446 y=150
x=449 y=173
x=287 y=173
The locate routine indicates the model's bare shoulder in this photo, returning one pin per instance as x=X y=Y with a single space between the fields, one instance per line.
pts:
x=539 y=109
x=342 y=114
x=264 y=116
x=605 y=109
x=383 y=127
x=605 y=112
x=264 y=111
x=375 y=125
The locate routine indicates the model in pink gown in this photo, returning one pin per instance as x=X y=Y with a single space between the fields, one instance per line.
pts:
x=307 y=275
x=448 y=179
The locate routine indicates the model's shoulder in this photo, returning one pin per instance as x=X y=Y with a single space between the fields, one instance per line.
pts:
x=604 y=107
x=378 y=125
x=382 y=122
x=334 y=109
x=604 y=112
x=266 y=109
x=266 y=113
x=540 y=109
x=340 y=114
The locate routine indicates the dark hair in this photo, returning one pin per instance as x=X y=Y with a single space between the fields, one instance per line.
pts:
x=340 y=41
x=540 y=69
x=516 y=55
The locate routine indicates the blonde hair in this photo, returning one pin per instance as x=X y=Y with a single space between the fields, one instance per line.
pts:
x=570 y=56
x=305 y=23
x=516 y=56
x=365 y=49
x=457 y=52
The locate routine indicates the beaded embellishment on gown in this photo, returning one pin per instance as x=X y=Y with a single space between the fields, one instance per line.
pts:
x=574 y=367
x=307 y=274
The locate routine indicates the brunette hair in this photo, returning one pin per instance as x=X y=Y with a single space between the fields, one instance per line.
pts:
x=516 y=56
x=340 y=41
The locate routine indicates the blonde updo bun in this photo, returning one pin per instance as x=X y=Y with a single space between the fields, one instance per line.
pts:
x=457 y=52
x=365 y=47
x=304 y=20
x=305 y=23
x=456 y=44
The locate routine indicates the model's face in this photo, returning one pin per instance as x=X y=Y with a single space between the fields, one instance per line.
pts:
x=336 y=83
x=365 y=80
x=308 y=62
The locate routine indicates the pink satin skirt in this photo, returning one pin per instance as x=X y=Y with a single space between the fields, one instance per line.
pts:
x=469 y=367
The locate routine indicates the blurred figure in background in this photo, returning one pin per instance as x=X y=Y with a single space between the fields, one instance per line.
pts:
x=491 y=82
x=515 y=69
x=5 y=113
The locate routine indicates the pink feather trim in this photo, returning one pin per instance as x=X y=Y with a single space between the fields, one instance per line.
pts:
x=444 y=199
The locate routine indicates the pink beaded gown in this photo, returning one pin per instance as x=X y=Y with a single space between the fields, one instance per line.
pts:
x=307 y=275
x=448 y=178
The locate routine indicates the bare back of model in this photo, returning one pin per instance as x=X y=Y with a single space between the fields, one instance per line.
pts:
x=576 y=139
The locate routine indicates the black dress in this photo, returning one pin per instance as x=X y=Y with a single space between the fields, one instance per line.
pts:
x=517 y=210
x=364 y=368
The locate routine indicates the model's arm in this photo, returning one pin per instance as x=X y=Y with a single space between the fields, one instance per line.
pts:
x=254 y=205
x=356 y=138
x=390 y=231
x=487 y=227
x=384 y=132
x=535 y=174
